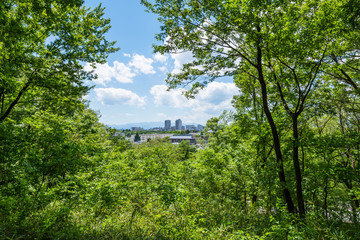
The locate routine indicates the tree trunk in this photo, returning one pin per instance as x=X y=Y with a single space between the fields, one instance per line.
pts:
x=275 y=135
x=325 y=197
x=354 y=202
x=299 y=193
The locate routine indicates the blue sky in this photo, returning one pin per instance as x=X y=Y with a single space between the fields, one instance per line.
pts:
x=131 y=86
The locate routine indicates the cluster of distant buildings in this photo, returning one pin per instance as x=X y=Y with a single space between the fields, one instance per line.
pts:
x=178 y=127
x=191 y=138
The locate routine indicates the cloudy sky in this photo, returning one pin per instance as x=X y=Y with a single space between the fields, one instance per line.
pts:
x=130 y=87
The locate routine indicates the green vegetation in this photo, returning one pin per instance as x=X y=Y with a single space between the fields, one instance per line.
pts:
x=137 y=137
x=284 y=165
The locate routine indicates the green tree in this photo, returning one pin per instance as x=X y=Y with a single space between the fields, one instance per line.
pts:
x=225 y=38
x=47 y=134
x=343 y=64
x=281 y=46
x=44 y=45
x=137 y=137
x=185 y=150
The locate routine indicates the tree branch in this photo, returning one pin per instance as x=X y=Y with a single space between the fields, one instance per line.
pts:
x=16 y=100
x=347 y=77
x=309 y=86
x=280 y=91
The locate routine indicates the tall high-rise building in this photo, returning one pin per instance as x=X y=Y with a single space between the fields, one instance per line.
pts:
x=178 y=124
x=167 y=124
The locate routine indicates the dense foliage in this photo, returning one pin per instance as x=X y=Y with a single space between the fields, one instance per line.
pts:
x=284 y=165
x=88 y=186
x=289 y=59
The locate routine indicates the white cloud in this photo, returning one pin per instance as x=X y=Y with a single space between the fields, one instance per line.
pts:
x=106 y=73
x=217 y=92
x=172 y=98
x=213 y=109
x=180 y=59
x=142 y=64
x=163 y=69
x=86 y=97
x=162 y=115
x=112 y=96
x=197 y=117
x=213 y=99
x=160 y=58
x=124 y=73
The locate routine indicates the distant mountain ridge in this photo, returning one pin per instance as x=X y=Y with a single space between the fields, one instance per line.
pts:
x=144 y=125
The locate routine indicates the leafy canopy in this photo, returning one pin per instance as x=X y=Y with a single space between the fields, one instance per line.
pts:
x=44 y=45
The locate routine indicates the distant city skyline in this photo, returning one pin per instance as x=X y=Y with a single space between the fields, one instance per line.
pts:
x=165 y=125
